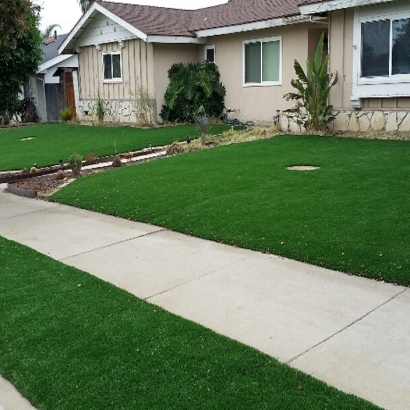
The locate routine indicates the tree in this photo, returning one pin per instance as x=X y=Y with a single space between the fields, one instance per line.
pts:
x=313 y=88
x=20 y=53
x=12 y=18
x=49 y=30
x=85 y=4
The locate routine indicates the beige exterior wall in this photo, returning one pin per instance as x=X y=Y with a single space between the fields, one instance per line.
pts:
x=341 y=57
x=165 y=55
x=258 y=103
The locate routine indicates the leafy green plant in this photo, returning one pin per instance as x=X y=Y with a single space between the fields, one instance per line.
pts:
x=75 y=162
x=313 y=87
x=100 y=108
x=203 y=122
x=67 y=115
x=194 y=88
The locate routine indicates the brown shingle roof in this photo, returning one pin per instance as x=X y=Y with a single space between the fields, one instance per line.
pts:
x=176 y=22
x=151 y=20
x=238 y=12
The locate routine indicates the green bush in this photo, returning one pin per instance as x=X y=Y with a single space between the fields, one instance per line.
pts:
x=75 y=162
x=194 y=88
x=67 y=114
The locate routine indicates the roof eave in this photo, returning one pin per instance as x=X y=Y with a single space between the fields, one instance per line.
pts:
x=259 y=25
x=175 y=39
x=331 y=5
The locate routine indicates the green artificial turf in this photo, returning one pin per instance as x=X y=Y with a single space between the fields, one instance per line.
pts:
x=58 y=141
x=71 y=341
x=351 y=215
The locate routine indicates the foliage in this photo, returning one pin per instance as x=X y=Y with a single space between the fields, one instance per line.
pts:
x=117 y=162
x=203 y=122
x=85 y=4
x=25 y=111
x=313 y=88
x=90 y=157
x=100 y=107
x=194 y=88
x=20 y=51
x=67 y=114
x=175 y=148
x=33 y=170
x=143 y=105
x=4 y=119
x=48 y=31
x=75 y=162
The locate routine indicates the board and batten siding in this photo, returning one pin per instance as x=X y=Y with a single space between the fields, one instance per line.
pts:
x=137 y=71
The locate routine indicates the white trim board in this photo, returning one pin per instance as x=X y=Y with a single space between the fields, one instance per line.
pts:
x=59 y=59
x=175 y=40
x=338 y=5
x=260 y=25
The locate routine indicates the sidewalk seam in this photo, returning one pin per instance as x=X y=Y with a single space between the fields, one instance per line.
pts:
x=112 y=244
x=29 y=213
x=346 y=327
x=193 y=280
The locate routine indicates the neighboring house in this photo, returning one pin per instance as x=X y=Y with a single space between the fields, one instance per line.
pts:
x=370 y=49
x=55 y=85
x=124 y=47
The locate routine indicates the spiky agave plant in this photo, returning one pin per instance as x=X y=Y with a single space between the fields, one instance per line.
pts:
x=313 y=88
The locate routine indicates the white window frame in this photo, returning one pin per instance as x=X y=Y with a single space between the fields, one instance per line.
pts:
x=393 y=86
x=210 y=48
x=263 y=83
x=113 y=80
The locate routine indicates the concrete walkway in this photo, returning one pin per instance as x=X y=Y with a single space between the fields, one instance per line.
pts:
x=351 y=332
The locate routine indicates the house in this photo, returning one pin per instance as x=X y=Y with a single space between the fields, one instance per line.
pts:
x=369 y=46
x=55 y=85
x=123 y=48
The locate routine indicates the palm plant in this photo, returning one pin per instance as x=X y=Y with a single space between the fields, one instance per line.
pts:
x=203 y=122
x=313 y=87
x=85 y=4
x=48 y=31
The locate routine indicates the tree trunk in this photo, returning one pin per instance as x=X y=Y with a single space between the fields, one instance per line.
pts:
x=203 y=138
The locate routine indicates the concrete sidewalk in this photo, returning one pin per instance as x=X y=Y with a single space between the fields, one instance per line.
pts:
x=351 y=332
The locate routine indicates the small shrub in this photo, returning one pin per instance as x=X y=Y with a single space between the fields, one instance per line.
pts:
x=75 y=162
x=33 y=170
x=67 y=114
x=117 y=162
x=25 y=171
x=90 y=157
x=175 y=148
x=203 y=122
x=60 y=175
x=100 y=108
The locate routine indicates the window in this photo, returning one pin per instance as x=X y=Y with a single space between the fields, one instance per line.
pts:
x=385 y=48
x=262 y=62
x=210 y=53
x=112 y=66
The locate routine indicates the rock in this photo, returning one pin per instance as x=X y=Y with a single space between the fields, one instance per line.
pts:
x=378 y=121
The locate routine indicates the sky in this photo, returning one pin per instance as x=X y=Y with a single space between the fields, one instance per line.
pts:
x=67 y=12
